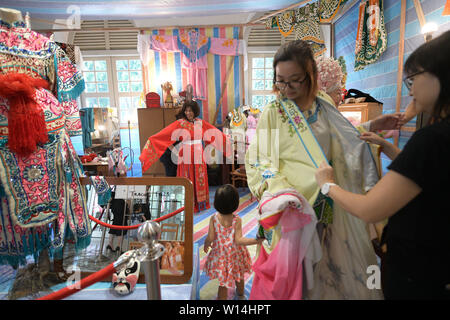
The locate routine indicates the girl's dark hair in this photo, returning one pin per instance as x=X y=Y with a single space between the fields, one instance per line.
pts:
x=433 y=57
x=191 y=104
x=226 y=199
x=300 y=52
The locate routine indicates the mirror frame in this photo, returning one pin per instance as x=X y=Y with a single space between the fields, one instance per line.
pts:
x=189 y=220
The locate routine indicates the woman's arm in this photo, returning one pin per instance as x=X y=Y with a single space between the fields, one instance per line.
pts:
x=157 y=144
x=210 y=237
x=239 y=239
x=387 y=197
x=388 y=148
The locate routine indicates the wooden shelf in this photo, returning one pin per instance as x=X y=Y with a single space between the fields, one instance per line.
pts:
x=365 y=111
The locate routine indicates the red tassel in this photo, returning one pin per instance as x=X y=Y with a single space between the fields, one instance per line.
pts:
x=26 y=121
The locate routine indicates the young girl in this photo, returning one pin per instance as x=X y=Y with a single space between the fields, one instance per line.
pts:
x=228 y=259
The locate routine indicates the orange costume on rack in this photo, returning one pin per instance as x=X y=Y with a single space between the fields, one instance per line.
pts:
x=192 y=157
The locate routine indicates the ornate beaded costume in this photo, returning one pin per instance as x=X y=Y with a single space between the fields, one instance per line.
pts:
x=39 y=185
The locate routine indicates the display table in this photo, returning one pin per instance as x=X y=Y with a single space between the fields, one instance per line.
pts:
x=97 y=168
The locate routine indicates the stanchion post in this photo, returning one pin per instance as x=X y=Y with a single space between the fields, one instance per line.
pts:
x=149 y=233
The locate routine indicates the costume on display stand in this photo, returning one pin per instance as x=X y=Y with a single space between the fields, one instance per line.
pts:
x=191 y=162
x=251 y=124
x=42 y=201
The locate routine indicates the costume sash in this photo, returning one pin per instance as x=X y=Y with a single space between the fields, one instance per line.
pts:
x=304 y=133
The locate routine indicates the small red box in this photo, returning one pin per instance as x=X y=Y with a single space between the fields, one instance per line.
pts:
x=153 y=100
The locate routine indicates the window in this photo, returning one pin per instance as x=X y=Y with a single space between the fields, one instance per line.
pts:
x=261 y=80
x=128 y=77
x=98 y=85
x=114 y=82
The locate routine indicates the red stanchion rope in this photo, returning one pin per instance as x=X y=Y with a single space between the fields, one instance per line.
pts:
x=83 y=283
x=105 y=272
x=111 y=226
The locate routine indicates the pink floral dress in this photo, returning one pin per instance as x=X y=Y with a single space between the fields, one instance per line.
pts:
x=227 y=261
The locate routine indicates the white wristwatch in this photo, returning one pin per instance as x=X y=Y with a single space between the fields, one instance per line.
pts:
x=326 y=187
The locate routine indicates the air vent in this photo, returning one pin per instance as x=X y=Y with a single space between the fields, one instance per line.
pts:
x=261 y=37
x=106 y=40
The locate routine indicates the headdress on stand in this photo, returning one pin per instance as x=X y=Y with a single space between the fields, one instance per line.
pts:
x=330 y=74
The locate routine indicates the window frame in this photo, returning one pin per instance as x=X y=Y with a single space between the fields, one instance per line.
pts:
x=251 y=91
x=113 y=85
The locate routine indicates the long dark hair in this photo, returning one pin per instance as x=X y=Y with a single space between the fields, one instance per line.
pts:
x=433 y=57
x=191 y=104
x=301 y=53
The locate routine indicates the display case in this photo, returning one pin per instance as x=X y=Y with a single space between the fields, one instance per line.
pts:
x=160 y=196
x=358 y=113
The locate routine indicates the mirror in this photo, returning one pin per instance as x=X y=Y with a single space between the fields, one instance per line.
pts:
x=133 y=200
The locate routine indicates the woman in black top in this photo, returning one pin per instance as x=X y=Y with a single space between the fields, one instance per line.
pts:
x=414 y=194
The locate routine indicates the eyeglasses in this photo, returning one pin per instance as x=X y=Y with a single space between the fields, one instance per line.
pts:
x=408 y=81
x=293 y=84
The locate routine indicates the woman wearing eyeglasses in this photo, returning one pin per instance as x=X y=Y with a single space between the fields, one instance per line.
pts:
x=414 y=193
x=312 y=243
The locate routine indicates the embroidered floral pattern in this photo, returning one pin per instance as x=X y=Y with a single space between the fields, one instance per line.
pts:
x=25 y=42
x=292 y=115
x=44 y=186
x=66 y=70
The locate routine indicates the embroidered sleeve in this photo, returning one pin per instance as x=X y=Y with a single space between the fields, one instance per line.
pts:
x=157 y=144
x=262 y=158
x=164 y=43
x=227 y=47
x=69 y=81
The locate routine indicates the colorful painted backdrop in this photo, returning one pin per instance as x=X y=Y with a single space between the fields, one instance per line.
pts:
x=161 y=67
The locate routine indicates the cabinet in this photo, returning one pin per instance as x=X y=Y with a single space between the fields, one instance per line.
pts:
x=151 y=121
x=358 y=113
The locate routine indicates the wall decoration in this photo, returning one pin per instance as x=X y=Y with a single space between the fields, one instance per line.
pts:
x=371 y=38
x=161 y=66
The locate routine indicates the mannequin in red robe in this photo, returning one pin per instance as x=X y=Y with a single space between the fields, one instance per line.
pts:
x=192 y=157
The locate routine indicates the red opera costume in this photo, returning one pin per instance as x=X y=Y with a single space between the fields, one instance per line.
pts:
x=191 y=156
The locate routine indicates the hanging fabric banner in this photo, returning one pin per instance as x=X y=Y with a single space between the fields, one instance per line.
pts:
x=193 y=47
x=285 y=23
x=167 y=65
x=305 y=21
x=371 y=38
x=446 y=11
x=308 y=29
x=329 y=8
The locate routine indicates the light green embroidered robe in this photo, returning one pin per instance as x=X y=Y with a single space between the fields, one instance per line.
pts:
x=286 y=154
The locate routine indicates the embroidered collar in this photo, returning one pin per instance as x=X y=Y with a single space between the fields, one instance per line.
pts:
x=311 y=114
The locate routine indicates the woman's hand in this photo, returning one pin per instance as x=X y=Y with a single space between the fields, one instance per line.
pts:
x=386 y=122
x=372 y=138
x=324 y=174
x=260 y=240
